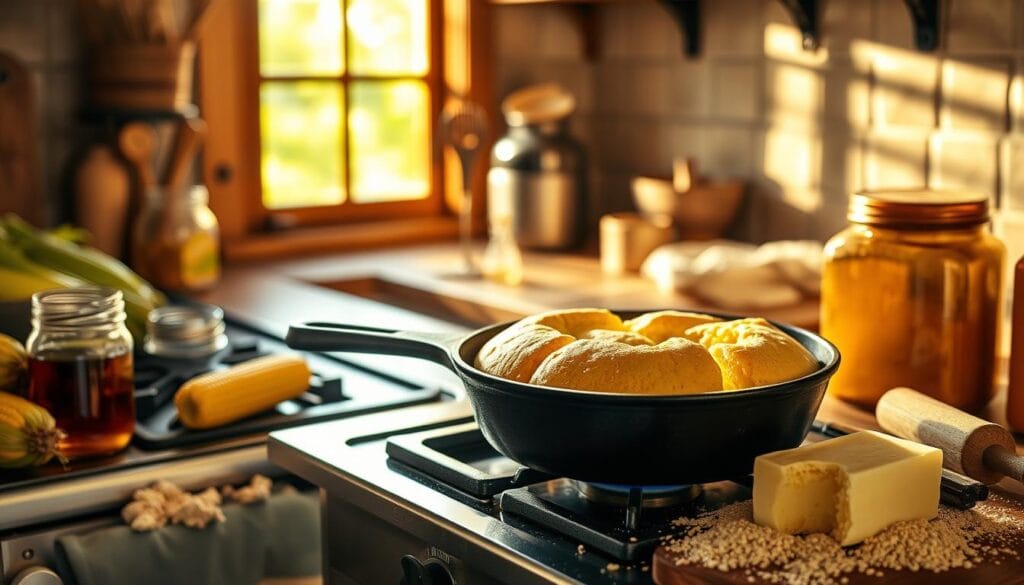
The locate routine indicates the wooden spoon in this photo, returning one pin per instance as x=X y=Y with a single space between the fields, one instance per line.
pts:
x=137 y=142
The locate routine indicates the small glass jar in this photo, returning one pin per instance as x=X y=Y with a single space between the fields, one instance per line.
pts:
x=911 y=296
x=80 y=368
x=176 y=240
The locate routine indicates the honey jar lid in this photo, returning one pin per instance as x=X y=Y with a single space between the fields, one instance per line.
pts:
x=918 y=208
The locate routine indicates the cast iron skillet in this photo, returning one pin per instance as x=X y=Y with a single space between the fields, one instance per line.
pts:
x=603 y=437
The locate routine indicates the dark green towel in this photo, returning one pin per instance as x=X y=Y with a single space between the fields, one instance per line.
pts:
x=277 y=538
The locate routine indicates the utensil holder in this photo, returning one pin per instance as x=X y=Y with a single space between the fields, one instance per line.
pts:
x=142 y=76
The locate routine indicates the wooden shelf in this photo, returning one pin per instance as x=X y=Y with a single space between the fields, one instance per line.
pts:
x=805 y=14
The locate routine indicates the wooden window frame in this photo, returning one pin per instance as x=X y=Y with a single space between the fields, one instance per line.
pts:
x=229 y=101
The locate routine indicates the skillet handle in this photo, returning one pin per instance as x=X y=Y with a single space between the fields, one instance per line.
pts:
x=316 y=336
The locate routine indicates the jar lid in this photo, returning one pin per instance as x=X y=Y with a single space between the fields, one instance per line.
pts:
x=918 y=208
x=185 y=331
x=538 y=104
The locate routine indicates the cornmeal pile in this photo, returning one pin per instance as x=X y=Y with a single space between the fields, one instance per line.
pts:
x=728 y=540
x=664 y=352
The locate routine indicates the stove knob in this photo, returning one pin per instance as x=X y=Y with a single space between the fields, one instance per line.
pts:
x=37 y=576
x=433 y=572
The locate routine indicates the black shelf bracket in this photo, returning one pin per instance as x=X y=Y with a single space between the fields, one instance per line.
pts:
x=687 y=15
x=804 y=14
x=925 y=14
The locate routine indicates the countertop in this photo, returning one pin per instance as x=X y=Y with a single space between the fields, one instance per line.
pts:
x=412 y=289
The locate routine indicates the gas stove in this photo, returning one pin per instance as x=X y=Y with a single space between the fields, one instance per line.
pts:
x=39 y=504
x=417 y=495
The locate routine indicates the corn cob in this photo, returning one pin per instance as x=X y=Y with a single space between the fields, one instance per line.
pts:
x=28 y=434
x=13 y=364
x=12 y=259
x=19 y=286
x=20 y=278
x=221 y=397
x=80 y=262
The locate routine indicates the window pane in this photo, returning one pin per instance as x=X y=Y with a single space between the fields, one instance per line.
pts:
x=387 y=37
x=302 y=143
x=390 y=140
x=301 y=37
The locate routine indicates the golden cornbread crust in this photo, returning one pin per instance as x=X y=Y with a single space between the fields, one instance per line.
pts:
x=661 y=325
x=517 y=351
x=675 y=366
x=663 y=352
x=751 y=352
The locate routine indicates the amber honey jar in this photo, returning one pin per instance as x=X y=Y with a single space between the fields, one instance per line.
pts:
x=176 y=240
x=911 y=295
x=80 y=368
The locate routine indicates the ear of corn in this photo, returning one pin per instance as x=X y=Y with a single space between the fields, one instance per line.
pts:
x=222 y=397
x=80 y=262
x=13 y=364
x=21 y=276
x=13 y=260
x=28 y=434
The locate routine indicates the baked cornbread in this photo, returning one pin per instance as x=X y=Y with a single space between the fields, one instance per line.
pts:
x=516 y=352
x=752 y=352
x=664 y=352
x=674 y=366
x=661 y=325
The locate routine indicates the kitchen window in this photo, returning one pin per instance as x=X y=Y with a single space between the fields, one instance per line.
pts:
x=322 y=112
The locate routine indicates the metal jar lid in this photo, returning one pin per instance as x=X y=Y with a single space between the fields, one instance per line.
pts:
x=918 y=209
x=185 y=331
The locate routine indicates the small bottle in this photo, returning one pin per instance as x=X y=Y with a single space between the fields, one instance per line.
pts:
x=502 y=260
x=1015 y=385
x=176 y=241
x=80 y=368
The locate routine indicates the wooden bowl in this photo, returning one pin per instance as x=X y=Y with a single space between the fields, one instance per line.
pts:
x=702 y=213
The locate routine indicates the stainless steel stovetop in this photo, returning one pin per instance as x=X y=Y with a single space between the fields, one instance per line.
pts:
x=418 y=491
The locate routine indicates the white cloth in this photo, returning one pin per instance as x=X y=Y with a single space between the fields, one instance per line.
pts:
x=735 y=275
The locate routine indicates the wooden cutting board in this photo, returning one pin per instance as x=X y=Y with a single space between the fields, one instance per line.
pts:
x=19 y=154
x=1010 y=571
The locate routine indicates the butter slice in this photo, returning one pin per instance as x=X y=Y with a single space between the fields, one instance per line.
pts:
x=850 y=487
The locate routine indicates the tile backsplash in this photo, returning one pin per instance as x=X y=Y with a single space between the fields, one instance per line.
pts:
x=805 y=128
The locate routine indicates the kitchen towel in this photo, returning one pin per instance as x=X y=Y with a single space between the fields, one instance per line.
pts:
x=279 y=538
x=736 y=275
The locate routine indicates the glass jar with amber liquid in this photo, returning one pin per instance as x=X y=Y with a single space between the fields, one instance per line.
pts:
x=80 y=368
x=911 y=295
x=176 y=240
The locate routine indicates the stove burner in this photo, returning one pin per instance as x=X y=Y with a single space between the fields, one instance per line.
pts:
x=651 y=496
x=635 y=498
x=561 y=505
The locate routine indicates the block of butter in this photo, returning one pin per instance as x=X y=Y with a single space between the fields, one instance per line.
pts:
x=850 y=487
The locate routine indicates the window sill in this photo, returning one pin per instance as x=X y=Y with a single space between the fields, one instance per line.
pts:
x=310 y=241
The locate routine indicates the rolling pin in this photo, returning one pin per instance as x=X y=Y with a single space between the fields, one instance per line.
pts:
x=972 y=446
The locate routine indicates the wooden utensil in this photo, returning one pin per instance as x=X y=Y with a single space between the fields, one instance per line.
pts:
x=187 y=142
x=137 y=142
x=970 y=445
x=101 y=199
x=464 y=129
